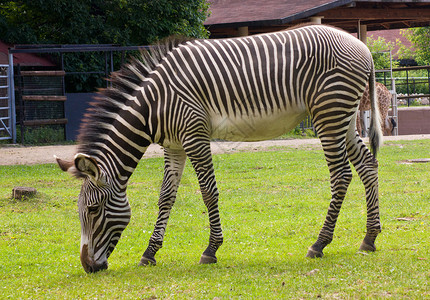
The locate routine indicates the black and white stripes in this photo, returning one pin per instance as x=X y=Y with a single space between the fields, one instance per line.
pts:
x=182 y=95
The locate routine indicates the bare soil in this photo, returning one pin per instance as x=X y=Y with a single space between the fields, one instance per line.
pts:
x=12 y=155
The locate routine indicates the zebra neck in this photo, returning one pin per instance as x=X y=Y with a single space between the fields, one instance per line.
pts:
x=119 y=165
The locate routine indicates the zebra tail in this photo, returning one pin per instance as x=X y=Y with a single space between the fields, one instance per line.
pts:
x=375 y=132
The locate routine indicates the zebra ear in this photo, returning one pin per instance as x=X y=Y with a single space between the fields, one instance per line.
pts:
x=87 y=165
x=66 y=166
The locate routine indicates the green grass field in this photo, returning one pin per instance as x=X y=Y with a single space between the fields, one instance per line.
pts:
x=272 y=207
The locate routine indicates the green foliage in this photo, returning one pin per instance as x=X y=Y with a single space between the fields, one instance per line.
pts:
x=379 y=48
x=418 y=82
x=420 y=50
x=298 y=133
x=124 y=22
x=81 y=63
x=121 y=22
x=153 y=20
x=272 y=205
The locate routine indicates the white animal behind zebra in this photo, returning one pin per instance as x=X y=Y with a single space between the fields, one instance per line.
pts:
x=182 y=95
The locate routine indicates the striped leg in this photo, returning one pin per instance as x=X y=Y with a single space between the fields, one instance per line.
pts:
x=340 y=177
x=201 y=158
x=367 y=168
x=174 y=162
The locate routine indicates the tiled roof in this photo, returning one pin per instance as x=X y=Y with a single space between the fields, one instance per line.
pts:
x=241 y=11
x=271 y=15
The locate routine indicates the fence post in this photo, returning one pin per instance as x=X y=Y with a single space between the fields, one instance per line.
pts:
x=407 y=85
x=21 y=103
x=12 y=98
x=428 y=78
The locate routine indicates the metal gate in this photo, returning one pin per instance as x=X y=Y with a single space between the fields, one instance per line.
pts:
x=7 y=105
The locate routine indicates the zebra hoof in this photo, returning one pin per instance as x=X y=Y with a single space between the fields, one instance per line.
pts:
x=367 y=247
x=313 y=253
x=368 y=244
x=207 y=259
x=145 y=261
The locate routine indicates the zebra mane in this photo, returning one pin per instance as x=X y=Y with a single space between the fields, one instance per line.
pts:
x=306 y=24
x=108 y=102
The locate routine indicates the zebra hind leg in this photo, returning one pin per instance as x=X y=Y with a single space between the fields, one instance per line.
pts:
x=340 y=177
x=367 y=168
x=174 y=163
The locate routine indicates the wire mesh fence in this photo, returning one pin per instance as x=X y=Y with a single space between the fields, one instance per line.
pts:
x=40 y=106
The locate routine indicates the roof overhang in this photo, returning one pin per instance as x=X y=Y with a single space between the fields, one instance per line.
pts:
x=272 y=15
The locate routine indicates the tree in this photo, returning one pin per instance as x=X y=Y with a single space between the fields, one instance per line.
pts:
x=420 y=50
x=124 y=22
x=379 y=48
x=121 y=22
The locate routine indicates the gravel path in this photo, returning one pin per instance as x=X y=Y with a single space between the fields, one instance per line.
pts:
x=45 y=154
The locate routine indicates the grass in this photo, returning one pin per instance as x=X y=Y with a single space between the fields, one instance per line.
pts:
x=272 y=207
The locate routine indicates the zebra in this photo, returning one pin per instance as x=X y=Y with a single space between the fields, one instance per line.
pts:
x=181 y=95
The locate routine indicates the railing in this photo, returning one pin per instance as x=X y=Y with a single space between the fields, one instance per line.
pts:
x=408 y=86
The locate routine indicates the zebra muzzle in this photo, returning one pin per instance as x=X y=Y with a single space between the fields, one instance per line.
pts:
x=89 y=265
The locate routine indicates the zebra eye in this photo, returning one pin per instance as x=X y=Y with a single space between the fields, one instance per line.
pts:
x=92 y=209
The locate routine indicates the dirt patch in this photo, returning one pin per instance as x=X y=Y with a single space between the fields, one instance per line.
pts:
x=45 y=154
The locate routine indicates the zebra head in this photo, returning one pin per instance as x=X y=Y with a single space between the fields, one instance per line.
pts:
x=104 y=211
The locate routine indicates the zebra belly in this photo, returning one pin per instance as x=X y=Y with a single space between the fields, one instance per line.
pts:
x=254 y=128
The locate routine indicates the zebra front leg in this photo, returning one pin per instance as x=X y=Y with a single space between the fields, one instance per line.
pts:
x=201 y=158
x=216 y=237
x=367 y=168
x=174 y=162
x=340 y=177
